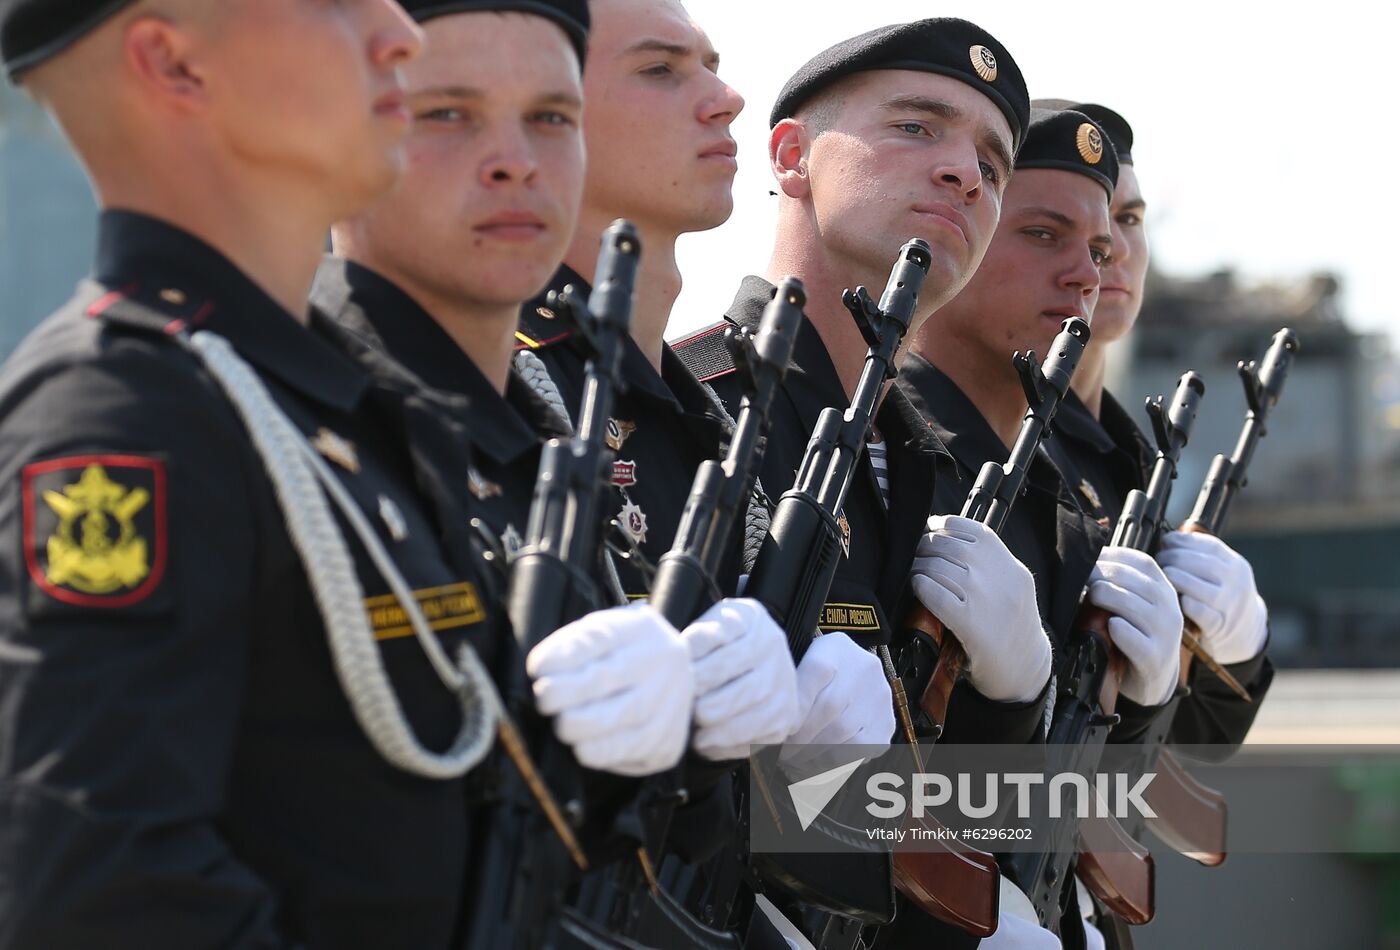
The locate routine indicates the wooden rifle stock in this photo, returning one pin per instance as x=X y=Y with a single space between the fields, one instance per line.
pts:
x=955 y=884
x=940 y=883
x=946 y=671
x=1191 y=818
x=1116 y=869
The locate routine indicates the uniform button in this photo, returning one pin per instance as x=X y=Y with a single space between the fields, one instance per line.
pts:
x=176 y=298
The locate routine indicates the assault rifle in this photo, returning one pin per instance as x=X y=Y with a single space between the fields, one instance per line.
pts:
x=797 y=562
x=685 y=587
x=1116 y=868
x=532 y=849
x=936 y=660
x=1191 y=817
x=1263 y=387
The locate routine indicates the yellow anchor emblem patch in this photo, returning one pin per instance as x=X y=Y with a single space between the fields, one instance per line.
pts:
x=96 y=539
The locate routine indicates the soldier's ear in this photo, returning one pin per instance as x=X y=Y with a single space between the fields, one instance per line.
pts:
x=788 y=146
x=161 y=54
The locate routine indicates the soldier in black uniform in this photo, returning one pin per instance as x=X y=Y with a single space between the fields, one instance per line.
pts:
x=1104 y=455
x=932 y=112
x=436 y=273
x=1042 y=268
x=240 y=594
x=942 y=108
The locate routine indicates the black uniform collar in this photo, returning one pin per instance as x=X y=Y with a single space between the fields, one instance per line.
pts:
x=377 y=310
x=161 y=266
x=1124 y=432
x=1075 y=422
x=813 y=380
x=1114 y=430
x=953 y=417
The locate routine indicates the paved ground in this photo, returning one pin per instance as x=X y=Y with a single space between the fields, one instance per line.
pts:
x=1331 y=706
x=1287 y=901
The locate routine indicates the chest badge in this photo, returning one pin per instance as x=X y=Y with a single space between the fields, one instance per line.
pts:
x=845 y=525
x=480 y=486
x=624 y=473
x=393 y=518
x=337 y=449
x=634 y=522
x=618 y=431
x=1089 y=493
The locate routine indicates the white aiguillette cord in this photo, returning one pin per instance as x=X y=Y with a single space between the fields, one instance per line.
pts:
x=295 y=470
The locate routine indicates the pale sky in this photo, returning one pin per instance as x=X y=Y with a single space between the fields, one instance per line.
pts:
x=1260 y=129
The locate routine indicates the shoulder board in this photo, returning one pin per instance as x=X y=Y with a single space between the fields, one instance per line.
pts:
x=167 y=312
x=704 y=352
x=539 y=326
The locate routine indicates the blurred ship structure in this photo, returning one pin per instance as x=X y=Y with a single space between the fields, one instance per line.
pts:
x=1320 y=520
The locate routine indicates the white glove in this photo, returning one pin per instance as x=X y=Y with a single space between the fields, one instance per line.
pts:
x=843 y=695
x=745 y=683
x=1093 y=937
x=843 y=699
x=1146 y=622
x=619 y=687
x=1217 y=593
x=1013 y=933
x=967 y=578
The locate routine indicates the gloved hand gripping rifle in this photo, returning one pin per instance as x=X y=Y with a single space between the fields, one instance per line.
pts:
x=532 y=847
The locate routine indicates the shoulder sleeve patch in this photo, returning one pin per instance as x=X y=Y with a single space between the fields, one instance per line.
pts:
x=705 y=353
x=94 y=530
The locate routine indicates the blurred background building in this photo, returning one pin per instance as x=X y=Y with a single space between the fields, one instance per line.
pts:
x=1320 y=520
x=47 y=224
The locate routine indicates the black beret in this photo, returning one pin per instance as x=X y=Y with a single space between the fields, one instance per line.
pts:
x=1069 y=141
x=571 y=15
x=1119 y=132
x=946 y=45
x=32 y=31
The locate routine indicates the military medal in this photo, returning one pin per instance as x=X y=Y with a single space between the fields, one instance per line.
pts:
x=480 y=486
x=634 y=522
x=845 y=527
x=339 y=450
x=624 y=473
x=618 y=431
x=1088 y=492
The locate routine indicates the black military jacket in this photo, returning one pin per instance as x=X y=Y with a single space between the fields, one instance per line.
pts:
x=1110 y=457
x=1101 y=459
x=179 y=765
x=870 y=590
x=663 y=427
x=504 y=433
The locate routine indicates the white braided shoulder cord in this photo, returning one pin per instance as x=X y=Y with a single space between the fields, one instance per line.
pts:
x=295 y=469
x=536 y=375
